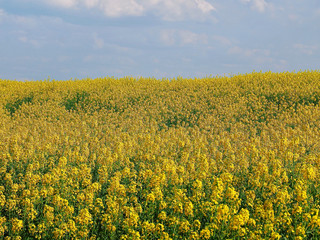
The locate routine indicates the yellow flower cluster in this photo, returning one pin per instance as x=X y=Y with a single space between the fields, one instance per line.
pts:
x=213 y=158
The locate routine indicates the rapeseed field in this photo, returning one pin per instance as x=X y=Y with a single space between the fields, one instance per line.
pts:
x=213 y=158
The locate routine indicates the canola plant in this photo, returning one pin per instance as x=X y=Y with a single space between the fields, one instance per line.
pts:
x=212 y=158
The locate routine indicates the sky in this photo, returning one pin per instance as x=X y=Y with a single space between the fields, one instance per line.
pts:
x=76 y=39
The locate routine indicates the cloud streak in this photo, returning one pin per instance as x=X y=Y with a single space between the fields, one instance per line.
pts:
x=166 y=9
x=172 y=37
x=305 y=48
x=98 y=42
x=259 y=5
x=2 y=15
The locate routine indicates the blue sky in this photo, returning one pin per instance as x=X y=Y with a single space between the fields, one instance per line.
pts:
x=64 y=39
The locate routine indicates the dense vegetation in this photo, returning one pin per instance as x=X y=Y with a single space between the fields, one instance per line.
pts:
x=214 y=158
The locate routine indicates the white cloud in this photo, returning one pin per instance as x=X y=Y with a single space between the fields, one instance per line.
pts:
x=91 y=3
x=256 y=58
x=26 y=21
x=64 y=58
x=23 y=39
x=98 y=43
x=306 y=49
x=188 y=37
x=182 y=37
x=27 y=40
x=168 y=37
x=248 y=52
x=88 y=58
x=2 y=14
x=181 y=9
x=222 y=40
x=204 y=6
x=167 y=9
x=36 y=31
x=259 y=5
x=63 y=3
x=121 y=8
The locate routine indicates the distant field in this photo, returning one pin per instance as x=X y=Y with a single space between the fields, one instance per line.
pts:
x=214 y=158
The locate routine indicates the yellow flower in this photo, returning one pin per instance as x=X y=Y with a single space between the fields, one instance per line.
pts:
x=162 y=215
x=83 y=233
x=124 y=237
x=58 y=233
x=283 y=196
x=240 y=219
x=222 y=212
x=205 y=234
x=297 y=209
x=71 y=226
x=309 y=172
x=159 y=227
x=14 y=188
x=147 y=155
x=41 y=228
x=245 y=215
x=165 y=236
x=32 y=229
x=231 y=194
x=134 y=235
x=150 y=197
x=177 y=206
x=194 y=236
x=306 y=217
x=2 y=199
x=3 y=228
x=48 y=213
x=184 y=226
x=188 y=208
x=62 y=162
x=93 y=237
x=252 y=222
x=148 y=227
x=84 y=217
x=268 y=228
x=43 y=192
x=17 y=225
x=32 y=213
x=301 y=195
x=162 y=205
x=11 y=204
x=275 y=236
x=226 y=177
x=196 y=224
x=300 y=231
x=197 y=184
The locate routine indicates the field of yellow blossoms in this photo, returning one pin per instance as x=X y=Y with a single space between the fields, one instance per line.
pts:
x=139 y=158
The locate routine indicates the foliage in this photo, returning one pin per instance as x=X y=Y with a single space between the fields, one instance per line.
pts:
x=213 y=158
